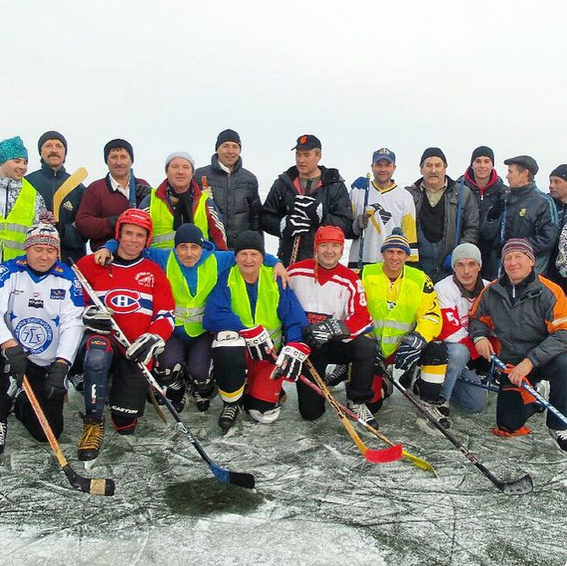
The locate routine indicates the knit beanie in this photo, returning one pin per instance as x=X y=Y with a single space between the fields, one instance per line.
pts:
x=118 y=144
x=518 y=245
x=432 y=152
x=466 y=251
x=51 y=135
x=482 y=151
x=180 y=154
x=329 y=234
x=249 y=240
x=560 y=171
x=189 y=234
x=12 y=148
x=228 y=136
x=42 y=234
x=396 y=240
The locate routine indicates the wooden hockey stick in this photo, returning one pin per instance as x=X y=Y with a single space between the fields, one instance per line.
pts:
x=71 y=183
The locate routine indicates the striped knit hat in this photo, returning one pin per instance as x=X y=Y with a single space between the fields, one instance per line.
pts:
x=396 y=240
x=42 y=235
x=518 y=245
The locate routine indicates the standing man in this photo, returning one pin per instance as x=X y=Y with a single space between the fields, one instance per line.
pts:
x=456 y=294
x=137 y=294
x=378 y=207
x=40 y=330
x=20 y=203
x=52 y=147
x=447 y=214
x=254 y=319
x=302 y=199
x=179 y=200
x=528 y=315
x=106 y=199
x=233 y=188
x=557 y=270
x=488 y=188
x=525 y=213
x=333 y=299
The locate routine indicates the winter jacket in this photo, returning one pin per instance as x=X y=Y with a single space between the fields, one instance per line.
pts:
x=332 y=194
x=534 y=326
x=469 y=217
x=529 y=214
x=235 y=194
x=46 y=181
x=558 y=256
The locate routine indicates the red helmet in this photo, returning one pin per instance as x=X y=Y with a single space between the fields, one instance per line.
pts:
x=329 y=234
x=137 y=217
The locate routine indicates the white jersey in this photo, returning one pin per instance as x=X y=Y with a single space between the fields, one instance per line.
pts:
x=43 y=313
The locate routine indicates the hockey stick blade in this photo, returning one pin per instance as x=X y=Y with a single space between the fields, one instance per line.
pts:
x=384 y=455
x=519 y=487
x=235 y=478
x=87 y=485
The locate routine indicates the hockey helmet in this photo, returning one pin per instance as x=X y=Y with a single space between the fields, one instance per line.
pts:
x=137 y=217
x=329 y=234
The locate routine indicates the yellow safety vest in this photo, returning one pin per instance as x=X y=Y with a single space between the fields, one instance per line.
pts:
x=162 y=220
x=189 y=309
x=266 y=312
x=13 y=229
x=390 y=325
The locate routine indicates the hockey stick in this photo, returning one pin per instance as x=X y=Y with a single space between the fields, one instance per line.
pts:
x=374 y=456
x=361 y=245
x=70 y=184
x=413 y=459
x=519 y=486
x=539 y=398
x=222 y=474
x=93 y=486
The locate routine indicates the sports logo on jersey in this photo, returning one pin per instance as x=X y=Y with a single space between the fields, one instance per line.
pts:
x=58 y=294
x=145 y=278
x=122 y=301
x=34 y=334
x=35 y=303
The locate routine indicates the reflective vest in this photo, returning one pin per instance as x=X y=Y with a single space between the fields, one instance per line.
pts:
x=13 y=229
x=189 y=309
x=266 y=306
x=163 y=220
x=390 y=325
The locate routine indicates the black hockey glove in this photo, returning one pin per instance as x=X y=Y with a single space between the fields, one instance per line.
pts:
x=258 y=342
x=97 y=320
x=17 y=360
x=308 y=207
x=316 y=335
x=296 y=225
x=409 y=350
x=145 y=348
x=55 y=383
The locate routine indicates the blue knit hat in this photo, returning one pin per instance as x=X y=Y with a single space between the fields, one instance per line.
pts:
x=189 y=234
x=396 y=240
x=12 y=148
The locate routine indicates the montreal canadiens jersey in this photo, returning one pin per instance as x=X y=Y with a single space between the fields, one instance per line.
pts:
x=43 y=313
x=139 y=294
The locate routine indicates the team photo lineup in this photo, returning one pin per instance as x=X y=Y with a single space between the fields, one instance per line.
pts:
x=165 y=299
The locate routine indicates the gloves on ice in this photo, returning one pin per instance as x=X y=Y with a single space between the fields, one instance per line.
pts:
x=17 y=359
x=316 y=335
x=98 y=320
x=145 y=348
x=409 y=350
x=290 y=361
x=54 y=384
x=258 y=342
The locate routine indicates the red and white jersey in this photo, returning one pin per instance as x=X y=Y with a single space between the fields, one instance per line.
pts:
x=331 y=293
x=139 y=294
x=455 y=310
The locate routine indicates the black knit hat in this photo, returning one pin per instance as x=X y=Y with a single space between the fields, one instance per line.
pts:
x=116 y=144
x=482 y=151
x=189 y=234
x=51 y=135
x=560 y=171
x=432 y=152
x=249 y=240
x=228 y=136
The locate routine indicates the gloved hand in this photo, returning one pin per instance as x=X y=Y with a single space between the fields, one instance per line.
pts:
x=362 y=221
x=296 y=224
x=290 y=361
x=259 y=344
x=409 y=350
x=54 y=384
x=97 y=320
x=17 y=359
x=145 y=348
x=308 y=207
x=142 y=191
x=316 y=335
x=496 y=209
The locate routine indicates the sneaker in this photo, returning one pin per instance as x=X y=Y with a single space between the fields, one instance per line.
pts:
x=560 y=437
x=362 y=412
x=439 y=411
x=228 y=416
x=338 y=375
x=3 y=434
x=91 y=440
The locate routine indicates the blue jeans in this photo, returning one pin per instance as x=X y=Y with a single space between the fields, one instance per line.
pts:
x=463 y=394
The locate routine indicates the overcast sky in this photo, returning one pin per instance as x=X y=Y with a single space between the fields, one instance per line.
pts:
x=360 y=74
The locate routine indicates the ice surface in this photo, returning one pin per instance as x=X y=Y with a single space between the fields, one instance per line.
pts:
x=317 y=501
